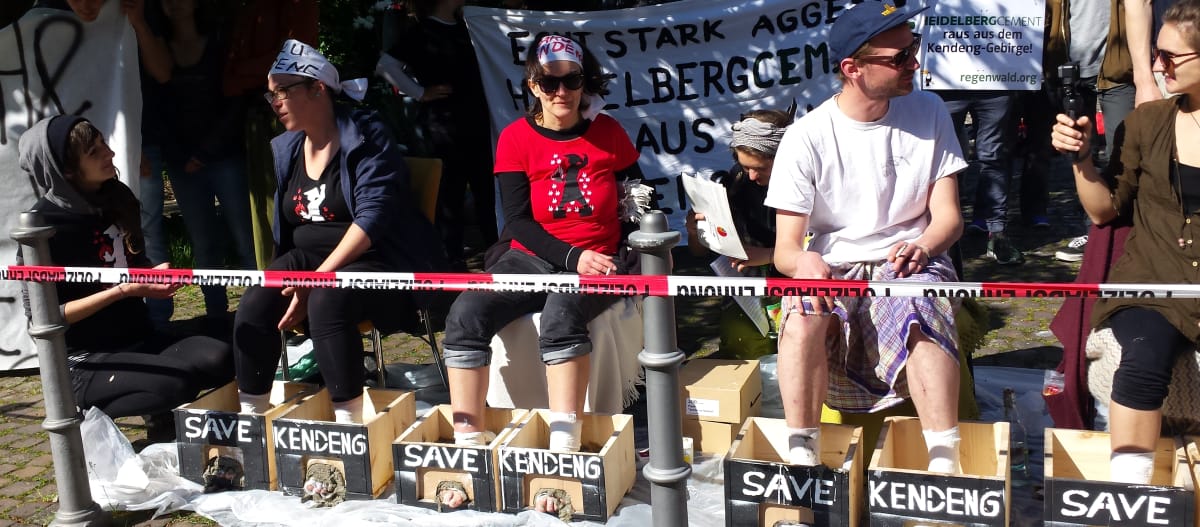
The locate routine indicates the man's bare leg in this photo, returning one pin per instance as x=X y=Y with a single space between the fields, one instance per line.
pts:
x=803 y=371
x=933 y=383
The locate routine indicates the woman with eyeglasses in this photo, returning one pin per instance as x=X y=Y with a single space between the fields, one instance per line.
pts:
x=118 y=362
x=1153 y=178
x=338 y=207
x=560 y=169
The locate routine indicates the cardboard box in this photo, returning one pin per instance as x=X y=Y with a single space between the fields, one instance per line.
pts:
x=595 y=478
x=761 y=488
x=426 y=455
x=710 y=437
x=212 y=427
x=307 y=435
x=1079 y=490
x=727 y=391
x=901 y=492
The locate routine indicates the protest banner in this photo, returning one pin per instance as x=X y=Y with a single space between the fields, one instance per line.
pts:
x=51 y=63
x=680 y=73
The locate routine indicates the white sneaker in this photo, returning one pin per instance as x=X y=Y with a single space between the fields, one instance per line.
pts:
x=1073 y=252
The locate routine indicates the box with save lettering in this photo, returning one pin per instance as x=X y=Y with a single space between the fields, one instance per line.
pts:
x=427 y=460
x=226 y=450
x=327 y=462
x=761 y=488
x=591 y=482
x=1079 y=490
x=901 y=492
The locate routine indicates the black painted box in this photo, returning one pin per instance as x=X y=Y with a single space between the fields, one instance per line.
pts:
x=761 y=488
x=595 y=478
x=212 y=427
x=425 y=455
x=901 y=492
x=1079 y=492
x=307 y=434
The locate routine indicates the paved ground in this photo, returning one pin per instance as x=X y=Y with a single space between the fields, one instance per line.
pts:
x=1017 y=336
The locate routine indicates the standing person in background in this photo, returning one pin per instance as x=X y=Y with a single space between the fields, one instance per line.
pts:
x=118 y=361
x=259 y=29
x=755 y=140
x=1154 y=182
x=150 y=187
x=991 y=113
x=338 y=208
x=874 y=138
x=1076 y=31
x=561 y=174
x=442 y=60
x=203 y=149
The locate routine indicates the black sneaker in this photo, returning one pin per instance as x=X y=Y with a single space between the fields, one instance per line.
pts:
x=1001 y=249
x=1073 y=252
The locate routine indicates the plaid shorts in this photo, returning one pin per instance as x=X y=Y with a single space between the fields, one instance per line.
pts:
x=868 y=353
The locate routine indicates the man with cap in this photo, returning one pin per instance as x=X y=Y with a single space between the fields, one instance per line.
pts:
x=871 y=173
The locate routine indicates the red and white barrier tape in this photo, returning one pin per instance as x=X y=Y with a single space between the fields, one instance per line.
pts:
x=612 y=284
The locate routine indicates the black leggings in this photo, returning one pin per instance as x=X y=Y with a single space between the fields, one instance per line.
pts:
x=152 y=377
x=333 y=317
x=1149 y=348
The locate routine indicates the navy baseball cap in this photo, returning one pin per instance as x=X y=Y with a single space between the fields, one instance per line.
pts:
x=861 y=23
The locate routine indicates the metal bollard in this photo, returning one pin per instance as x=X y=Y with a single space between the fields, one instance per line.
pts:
x=666 y=472
x=75 y=504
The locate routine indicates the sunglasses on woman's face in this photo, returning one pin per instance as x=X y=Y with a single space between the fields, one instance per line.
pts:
x=549 y=83
x=1171 y=60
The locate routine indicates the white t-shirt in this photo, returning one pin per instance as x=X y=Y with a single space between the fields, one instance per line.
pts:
x=865 y=186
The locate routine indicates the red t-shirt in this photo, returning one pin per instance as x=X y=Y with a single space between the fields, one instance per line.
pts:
x=572 y=183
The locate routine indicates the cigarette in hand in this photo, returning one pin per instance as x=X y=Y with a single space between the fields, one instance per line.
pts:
x=900 y=251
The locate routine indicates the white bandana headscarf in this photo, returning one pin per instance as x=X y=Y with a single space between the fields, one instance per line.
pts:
x=759 y=135
x=558 y=47
x=298 y=58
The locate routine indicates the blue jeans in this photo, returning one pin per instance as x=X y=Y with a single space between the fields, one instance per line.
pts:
x=150 y=193
x=224 y=180
x=477 y=316
x=991 y=111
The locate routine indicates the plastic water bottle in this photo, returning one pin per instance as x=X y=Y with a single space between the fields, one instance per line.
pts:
x=1018 y=447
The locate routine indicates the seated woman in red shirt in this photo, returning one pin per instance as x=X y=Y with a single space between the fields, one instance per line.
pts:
x=560 y=174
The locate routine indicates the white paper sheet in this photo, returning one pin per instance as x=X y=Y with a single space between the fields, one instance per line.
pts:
x=752 y=305
x=716 y=231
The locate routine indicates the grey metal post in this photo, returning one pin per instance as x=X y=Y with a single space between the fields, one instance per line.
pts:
x=75 y=504
x=666 y=472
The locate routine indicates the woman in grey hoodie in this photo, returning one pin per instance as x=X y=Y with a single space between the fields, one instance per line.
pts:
x=118 y=362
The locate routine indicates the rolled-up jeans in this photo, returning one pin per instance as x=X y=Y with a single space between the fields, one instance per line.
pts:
x=477 y=316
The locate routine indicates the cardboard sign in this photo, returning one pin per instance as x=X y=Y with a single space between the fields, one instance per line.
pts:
x=982 y=45
x=896 y=497
x=296 y=442
x=1078 y=502
x=820 y=489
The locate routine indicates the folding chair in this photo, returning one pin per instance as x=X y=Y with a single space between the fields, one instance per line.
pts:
x=425 y=176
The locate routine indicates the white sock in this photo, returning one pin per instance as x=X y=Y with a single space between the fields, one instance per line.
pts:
x=565 y=430
x=349 y=411
x=943 y=451
x=804 y=446
x=254 y=404
x=1131 y=467
x=480 y=438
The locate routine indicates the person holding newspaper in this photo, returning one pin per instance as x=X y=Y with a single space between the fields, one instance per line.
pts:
x=755 y=140
x=872 y=172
